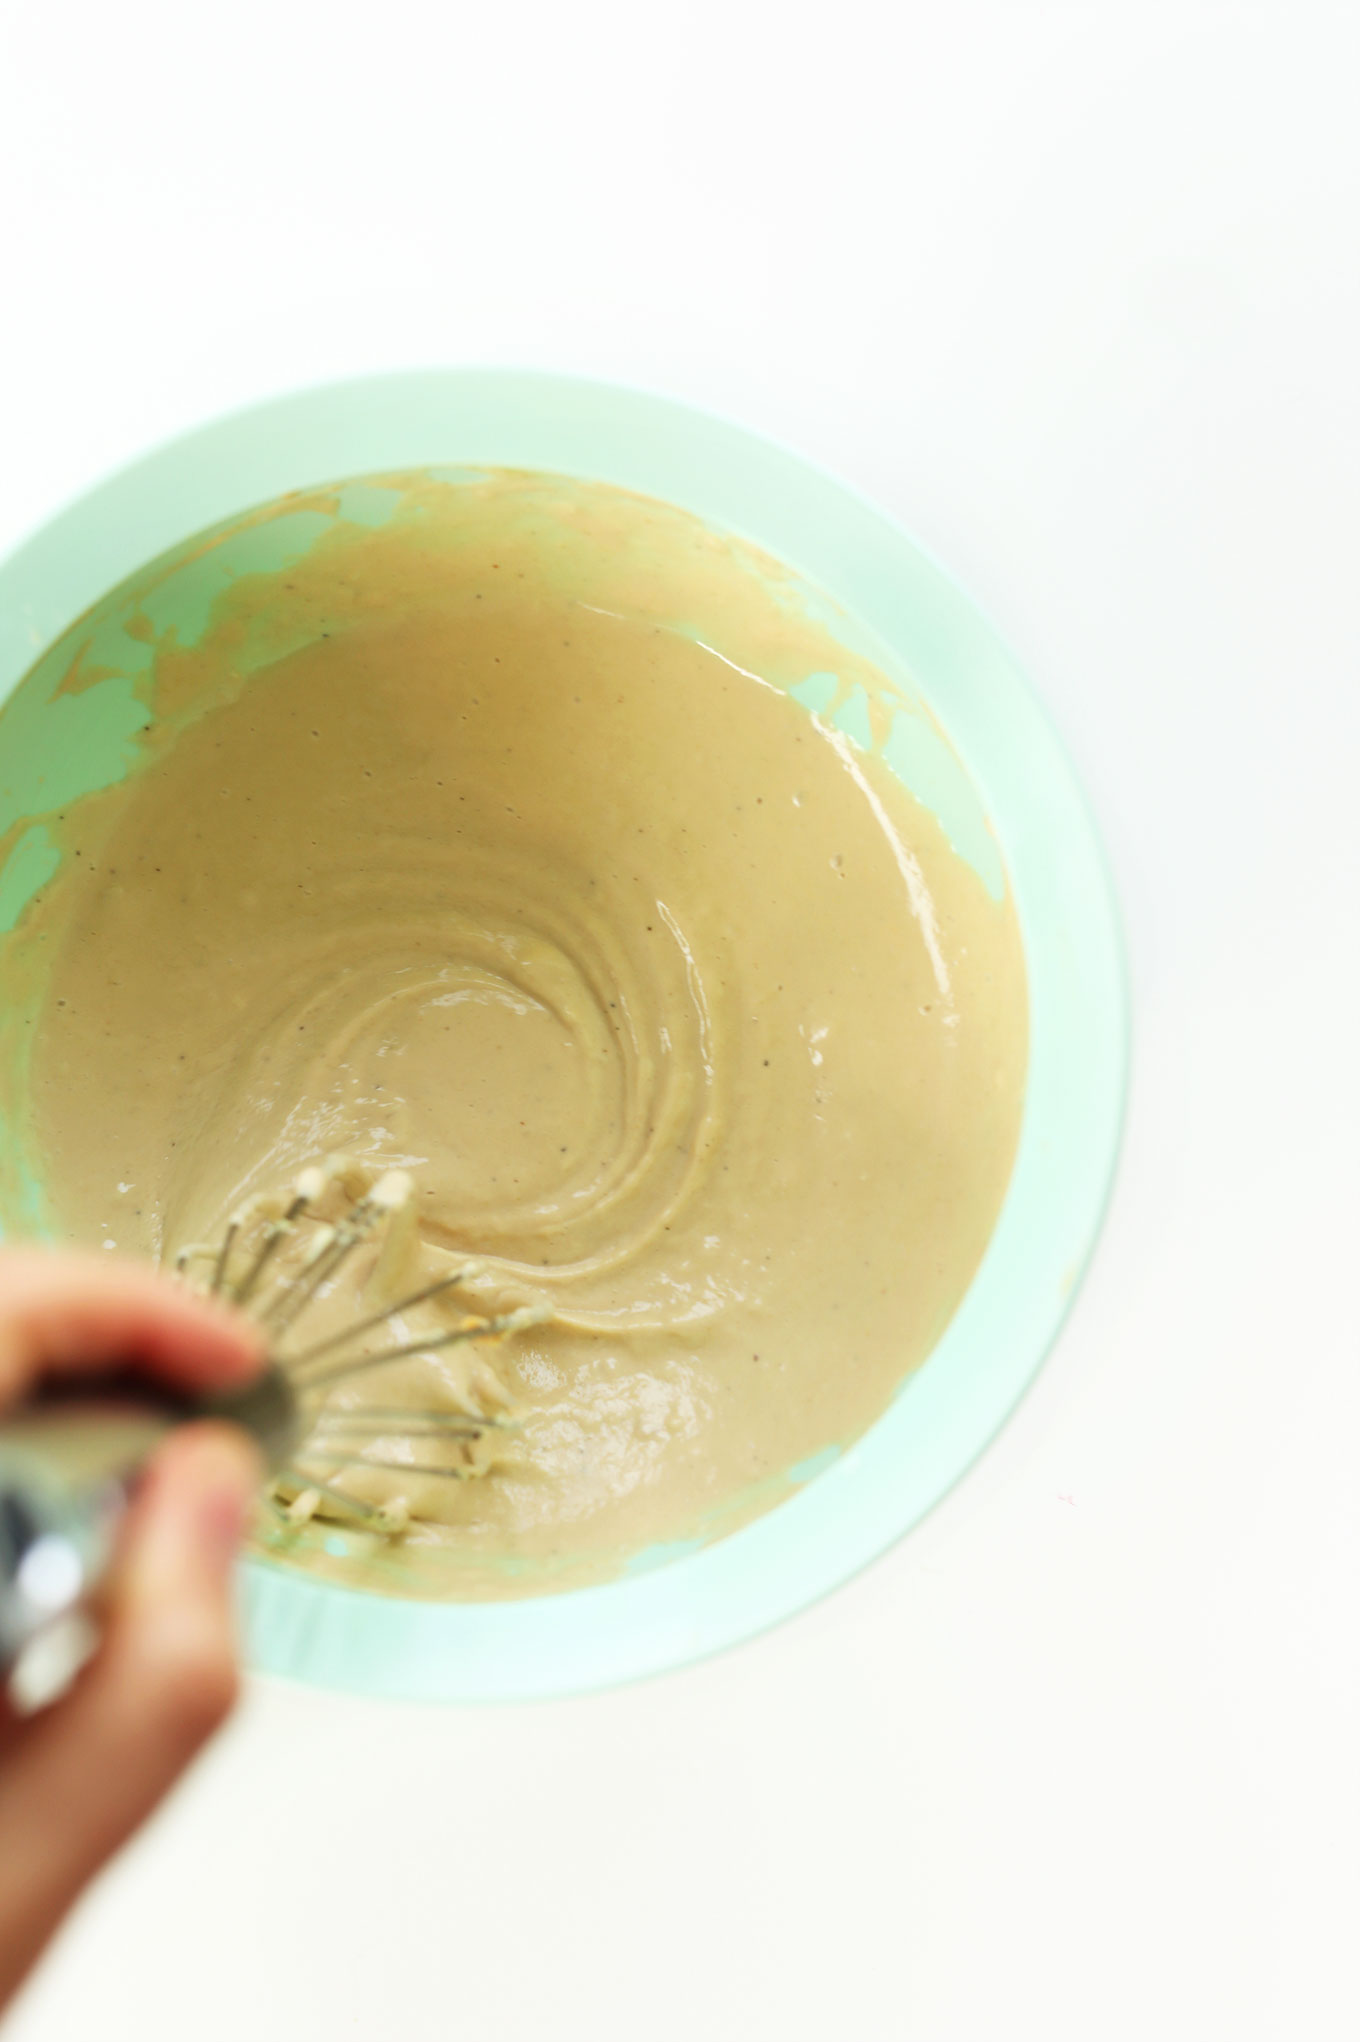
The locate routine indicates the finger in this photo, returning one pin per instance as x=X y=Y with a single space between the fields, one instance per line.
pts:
x=11 y=1724
x=85 y=1775
x=65 y=1311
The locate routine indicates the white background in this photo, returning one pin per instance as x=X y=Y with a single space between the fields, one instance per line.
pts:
x=1072 y=290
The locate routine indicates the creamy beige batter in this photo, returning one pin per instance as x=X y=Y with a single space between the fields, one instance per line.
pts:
x=488 y=842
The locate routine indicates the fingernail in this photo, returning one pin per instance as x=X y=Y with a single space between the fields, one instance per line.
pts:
x=226 y=1474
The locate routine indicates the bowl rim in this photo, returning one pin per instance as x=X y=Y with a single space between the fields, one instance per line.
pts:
x=681 y=1603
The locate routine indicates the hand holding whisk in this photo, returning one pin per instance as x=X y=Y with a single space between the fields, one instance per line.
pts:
x=70 y=1460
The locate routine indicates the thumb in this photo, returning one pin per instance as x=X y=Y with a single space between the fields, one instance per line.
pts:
x=82 y=1777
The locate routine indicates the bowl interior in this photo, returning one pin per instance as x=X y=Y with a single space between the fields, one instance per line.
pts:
x=1013 y=799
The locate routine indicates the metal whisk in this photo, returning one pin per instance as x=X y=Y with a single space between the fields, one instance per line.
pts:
x=69 y=1462
x=274 y=1265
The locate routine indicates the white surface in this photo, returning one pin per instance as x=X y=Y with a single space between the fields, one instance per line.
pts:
x=1072 y=291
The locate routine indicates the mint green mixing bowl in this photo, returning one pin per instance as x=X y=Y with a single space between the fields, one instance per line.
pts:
x=678 y=1603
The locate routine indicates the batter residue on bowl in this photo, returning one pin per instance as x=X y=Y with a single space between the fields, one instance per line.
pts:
x=485 y=838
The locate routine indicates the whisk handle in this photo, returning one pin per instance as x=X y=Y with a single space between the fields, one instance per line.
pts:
x=68 y=1465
